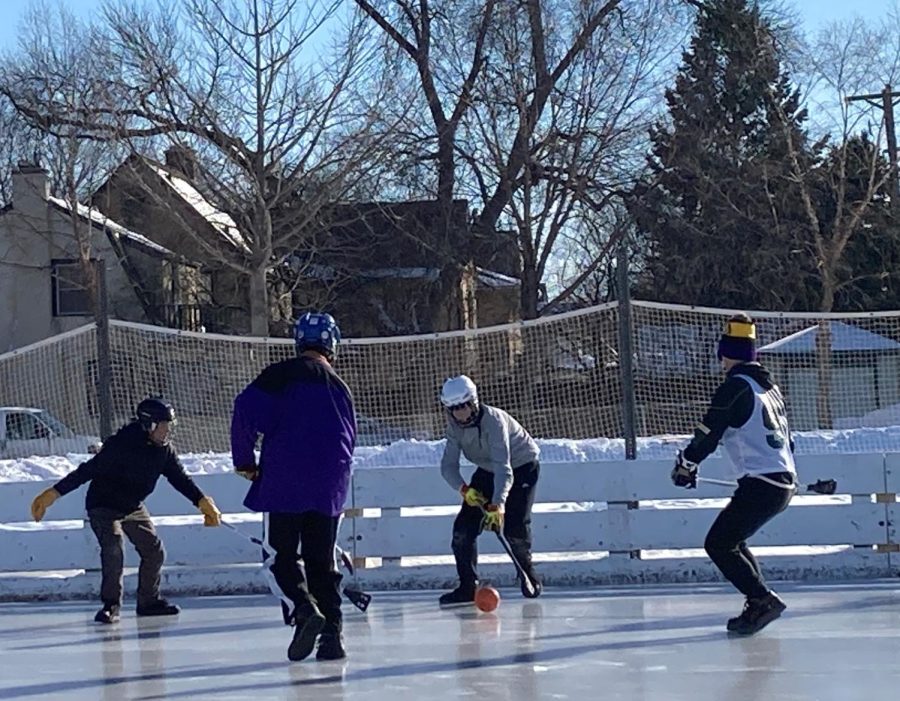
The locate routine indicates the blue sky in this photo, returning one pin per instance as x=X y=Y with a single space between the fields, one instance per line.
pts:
x=818 y=12
x=813 y=12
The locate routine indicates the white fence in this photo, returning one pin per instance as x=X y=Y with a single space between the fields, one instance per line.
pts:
x=602 y=522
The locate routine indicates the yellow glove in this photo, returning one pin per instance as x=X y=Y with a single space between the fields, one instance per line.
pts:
x=42 y=502
x=472 y=496
x=211 y=514
x=493 y=518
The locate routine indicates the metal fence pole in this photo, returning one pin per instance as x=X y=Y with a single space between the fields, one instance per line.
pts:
x=104 y=363
x=626 y=351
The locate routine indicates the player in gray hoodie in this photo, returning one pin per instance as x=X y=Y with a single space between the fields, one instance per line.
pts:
x=506 y=458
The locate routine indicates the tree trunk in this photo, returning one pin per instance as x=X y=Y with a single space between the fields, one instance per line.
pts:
x=530 y=291
x=259 y=303
x=823 y=375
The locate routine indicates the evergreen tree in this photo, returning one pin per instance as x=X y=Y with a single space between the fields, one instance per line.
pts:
x=718 y=213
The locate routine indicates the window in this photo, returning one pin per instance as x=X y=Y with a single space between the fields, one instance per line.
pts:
x=71 y=295
x=21 y=426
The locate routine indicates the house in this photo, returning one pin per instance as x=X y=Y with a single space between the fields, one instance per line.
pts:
x=162 y=202
x=43 y=286
x=862 y=367
x=399 y=268
x=382 y=268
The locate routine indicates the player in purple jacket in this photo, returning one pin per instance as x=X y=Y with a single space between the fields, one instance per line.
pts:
x=305 y=415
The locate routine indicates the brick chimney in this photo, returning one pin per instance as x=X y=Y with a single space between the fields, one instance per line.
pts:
x=30 y=187
x=182 y=159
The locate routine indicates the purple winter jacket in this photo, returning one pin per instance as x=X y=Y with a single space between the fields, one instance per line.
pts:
x=305 y=414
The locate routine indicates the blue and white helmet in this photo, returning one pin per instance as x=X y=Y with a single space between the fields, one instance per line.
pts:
x=318 y=332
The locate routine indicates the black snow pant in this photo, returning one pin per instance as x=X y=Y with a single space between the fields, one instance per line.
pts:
x=313 y=535
x=754 y=503
x=516 y=521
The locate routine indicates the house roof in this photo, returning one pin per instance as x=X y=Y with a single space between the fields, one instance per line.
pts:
x=112 y=228
x=217 y=219
x=844 y=338
x=489 y=278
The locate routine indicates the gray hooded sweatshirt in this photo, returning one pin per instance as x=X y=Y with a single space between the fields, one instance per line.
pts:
x=496 y=443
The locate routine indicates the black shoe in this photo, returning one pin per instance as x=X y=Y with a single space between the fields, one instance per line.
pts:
x=757 y=614
x=160 y=607
x=460 y=596
x=331 y=646
x=309 y=622
x=108 y=614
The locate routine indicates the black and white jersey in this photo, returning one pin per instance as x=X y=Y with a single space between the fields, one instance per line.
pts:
x=747 y=415
x=761 y=444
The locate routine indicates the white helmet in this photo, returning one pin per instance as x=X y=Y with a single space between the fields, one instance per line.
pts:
x=459 y=390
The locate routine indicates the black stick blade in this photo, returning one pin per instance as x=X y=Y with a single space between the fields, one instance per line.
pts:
x=823 y=487
x=359 y=599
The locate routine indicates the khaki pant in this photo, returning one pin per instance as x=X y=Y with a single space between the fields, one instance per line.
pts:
x=109 y=525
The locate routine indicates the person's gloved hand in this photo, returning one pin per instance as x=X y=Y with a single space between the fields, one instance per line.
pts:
x=472 y=496
x=211 y=514
x=493 y=518
x=684 y=474
x=248 y=472
x=42 y=502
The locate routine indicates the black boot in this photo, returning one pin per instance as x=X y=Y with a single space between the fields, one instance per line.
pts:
x=108 y=614
x=160 y=607
x=462 y=595
x=308 y=624
x=757 y=614
x=331 y=644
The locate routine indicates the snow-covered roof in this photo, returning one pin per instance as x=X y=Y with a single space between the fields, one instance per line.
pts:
x=218 y=220
x=492 y=278
x=844 y=338
x=489 y=278
x=429 y=274
x=100 y=219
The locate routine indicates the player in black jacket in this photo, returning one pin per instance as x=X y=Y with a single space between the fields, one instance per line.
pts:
x=747 y=414
x=122 y=475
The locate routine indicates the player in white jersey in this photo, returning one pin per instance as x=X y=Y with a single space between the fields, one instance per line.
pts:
x=748 y=416
x=507 y=460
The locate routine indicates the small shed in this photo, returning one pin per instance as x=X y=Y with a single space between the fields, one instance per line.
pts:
x=863 y=368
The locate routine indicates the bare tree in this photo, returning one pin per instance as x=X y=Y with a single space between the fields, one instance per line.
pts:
x=585 y=149
x=519 y=118
x=845 y=58
x=57 y=57
x=262 y=94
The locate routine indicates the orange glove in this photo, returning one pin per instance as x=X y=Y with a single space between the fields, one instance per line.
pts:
x=211 y=514
x=42 y=502
x=493 y=518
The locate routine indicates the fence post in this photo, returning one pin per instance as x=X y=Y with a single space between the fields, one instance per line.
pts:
x=626 y=350
x=104 y=364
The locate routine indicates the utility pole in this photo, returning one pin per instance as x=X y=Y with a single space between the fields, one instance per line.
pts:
x=886 y=104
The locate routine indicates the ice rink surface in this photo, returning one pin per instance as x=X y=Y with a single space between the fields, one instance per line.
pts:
x=835 y=642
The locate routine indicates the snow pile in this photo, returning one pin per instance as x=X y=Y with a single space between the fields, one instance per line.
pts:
x=420 y=453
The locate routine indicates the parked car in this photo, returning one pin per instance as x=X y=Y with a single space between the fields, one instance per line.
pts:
x=373 y=432
x=26 y=431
